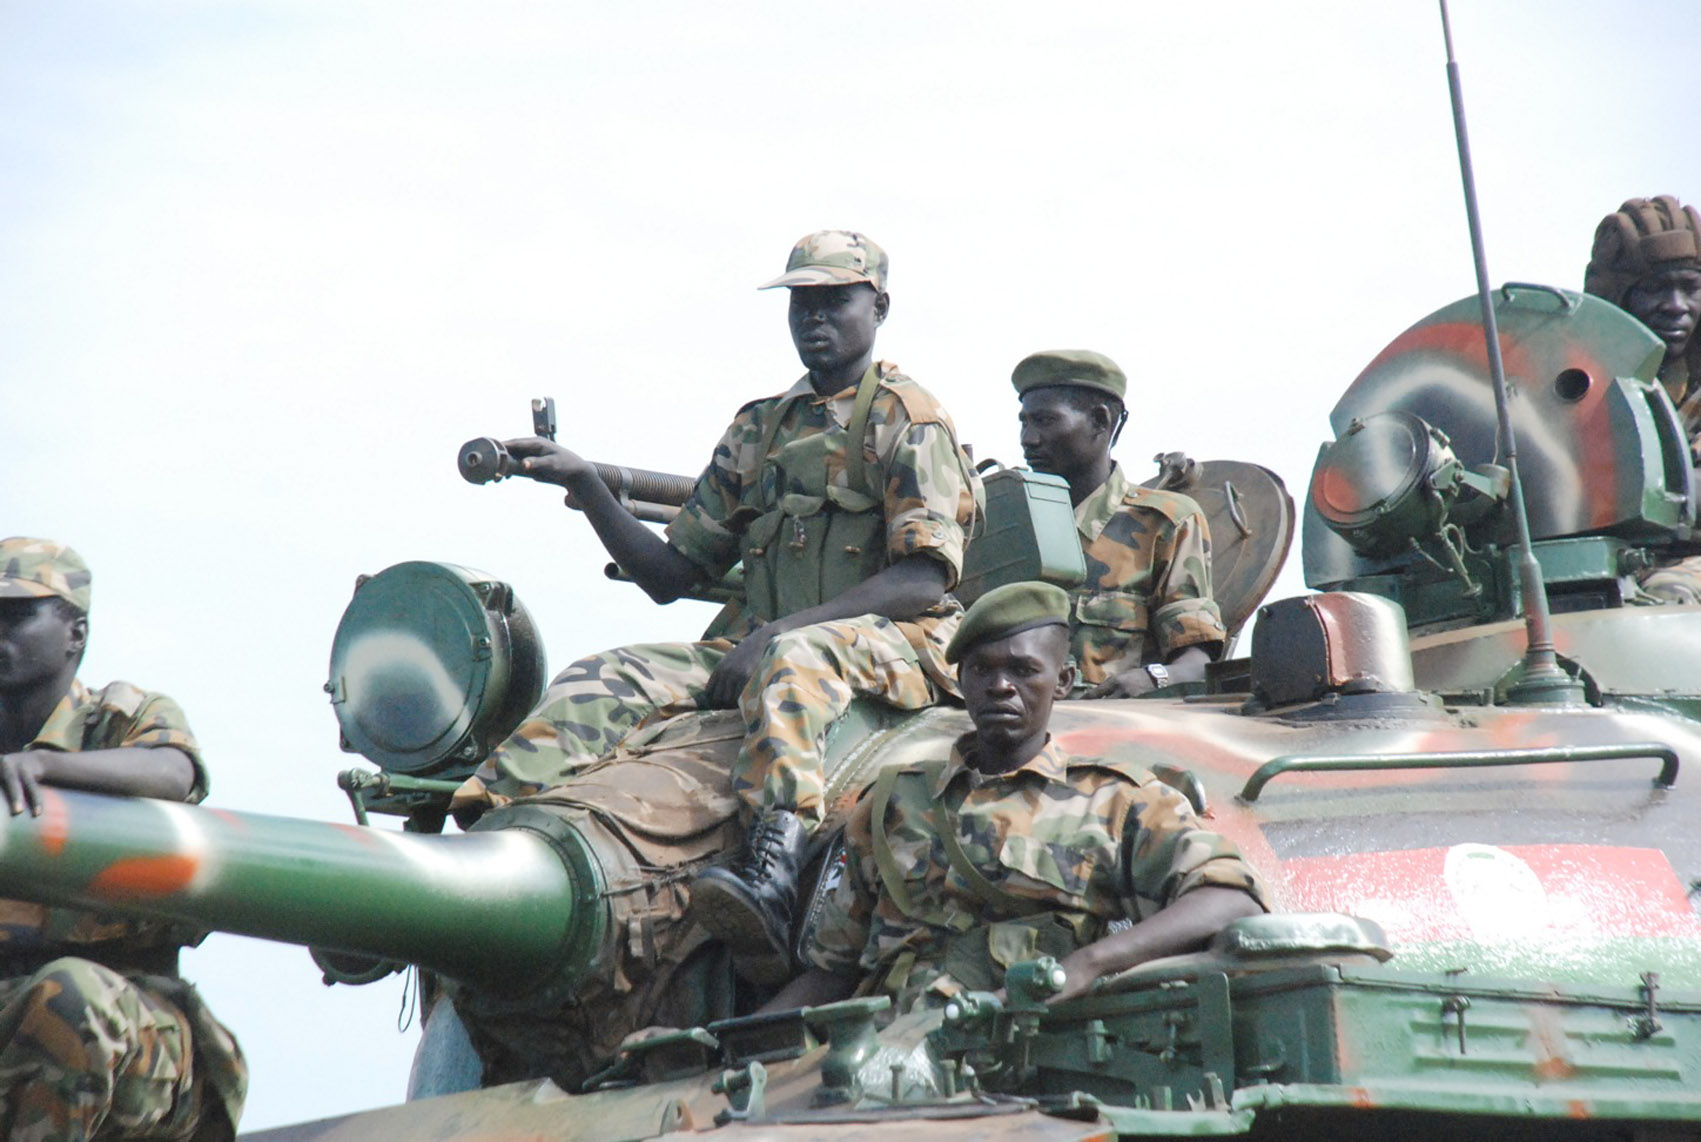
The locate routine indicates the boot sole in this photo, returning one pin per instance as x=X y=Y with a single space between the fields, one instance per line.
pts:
x=734 y=920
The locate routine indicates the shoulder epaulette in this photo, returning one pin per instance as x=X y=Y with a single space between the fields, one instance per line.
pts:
x=1173 y=506
x=921 y=406
x=121 y=697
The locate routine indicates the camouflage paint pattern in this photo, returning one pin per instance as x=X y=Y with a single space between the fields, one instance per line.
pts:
x=1148 y=589
x=911 y=457
x=40 y=569
x=927 y=501
x=804 y=681
x=91 y=1052
x=84 y=1046
x=1073 y=843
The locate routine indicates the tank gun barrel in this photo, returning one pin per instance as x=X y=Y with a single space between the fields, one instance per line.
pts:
x=493 y=909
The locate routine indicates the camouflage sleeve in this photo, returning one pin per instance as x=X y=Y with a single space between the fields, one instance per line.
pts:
x=1183 y=612
x=836 y=941
x=129 y=716
x=1166 y=852
x=706 y=530
x=928 y=499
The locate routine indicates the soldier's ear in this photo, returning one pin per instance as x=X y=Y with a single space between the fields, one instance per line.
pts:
x=882 y=305
x=1065 y=680
x=77 y=636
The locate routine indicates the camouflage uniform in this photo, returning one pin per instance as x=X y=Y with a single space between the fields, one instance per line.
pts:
x=780 y=471
x=100 y=1038
x=1067 y=845
x=1147 y=593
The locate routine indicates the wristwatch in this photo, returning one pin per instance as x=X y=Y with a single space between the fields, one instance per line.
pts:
x=1158 y=673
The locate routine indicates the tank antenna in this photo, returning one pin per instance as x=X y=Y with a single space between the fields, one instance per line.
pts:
x=1543 y=681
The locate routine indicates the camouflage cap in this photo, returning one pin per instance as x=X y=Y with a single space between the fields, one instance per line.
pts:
x=833 y=257
x=1081 y=368
x=1640 y=237
x=1007 y=610
x=42 y=569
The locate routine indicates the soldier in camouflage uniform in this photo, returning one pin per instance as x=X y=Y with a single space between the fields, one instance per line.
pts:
x=1647 y=260
x=1144 y=617
x=99 y=1037
x=846 y=498
x=952 y=871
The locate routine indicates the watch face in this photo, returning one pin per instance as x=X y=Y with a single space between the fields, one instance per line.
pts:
x=1158 y=673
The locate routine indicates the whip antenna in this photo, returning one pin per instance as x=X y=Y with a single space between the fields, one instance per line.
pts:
x=1543 y=680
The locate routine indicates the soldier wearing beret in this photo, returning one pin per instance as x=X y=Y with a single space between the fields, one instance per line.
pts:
x=1144 y=617
x=953 y=870
x=1647 y=261
x=846 y=498
x=99 y=1037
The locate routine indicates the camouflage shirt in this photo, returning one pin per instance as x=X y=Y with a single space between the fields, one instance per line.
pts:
x=119 y=715
x=1073 y=841
x=912 y=458
x=1147 y=593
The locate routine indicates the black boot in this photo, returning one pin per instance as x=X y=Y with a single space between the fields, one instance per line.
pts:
x=749 y=906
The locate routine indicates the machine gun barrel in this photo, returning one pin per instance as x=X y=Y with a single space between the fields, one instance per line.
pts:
x=492 y=909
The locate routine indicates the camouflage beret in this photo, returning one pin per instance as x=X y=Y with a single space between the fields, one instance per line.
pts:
x=1081 y=368
x=833 y=257
x=43 y=569
x=1007 y=610
x=1642 y=236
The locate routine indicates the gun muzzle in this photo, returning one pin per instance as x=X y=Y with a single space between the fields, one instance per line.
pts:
x=484 y=460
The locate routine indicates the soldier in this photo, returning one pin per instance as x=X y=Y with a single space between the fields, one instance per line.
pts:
x=953 y=870
x=99 y=1037
x=1647 y=260
x=846 y=497
x=1144 y=617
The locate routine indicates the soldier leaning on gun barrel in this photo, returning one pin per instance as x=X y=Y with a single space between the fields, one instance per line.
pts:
x=1647 y=261
x=846 y=497
x=99 y=1036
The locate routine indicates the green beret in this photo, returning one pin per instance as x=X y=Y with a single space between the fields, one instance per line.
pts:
x=1007 y=610
x=1082 y=368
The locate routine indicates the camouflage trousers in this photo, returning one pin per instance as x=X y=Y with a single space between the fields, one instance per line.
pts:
x=1678 y=582
x=804 y=681
x=91 y=1054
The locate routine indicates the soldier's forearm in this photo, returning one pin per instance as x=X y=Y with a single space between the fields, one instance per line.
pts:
x=901 y=591
x=1185 y=926
x=659 y=569
x=162 y=772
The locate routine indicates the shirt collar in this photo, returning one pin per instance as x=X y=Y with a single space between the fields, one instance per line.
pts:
x=1049 y=764
x=1095 y=511
x=839 y=404
x=57 y=730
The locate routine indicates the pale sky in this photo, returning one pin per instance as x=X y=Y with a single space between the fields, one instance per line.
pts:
x=265 y=265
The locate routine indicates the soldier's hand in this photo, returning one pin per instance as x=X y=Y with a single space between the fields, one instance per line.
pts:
x=1079 y=974
x=548 y=462
x=20 y=776
x=1128 y=684
x=729 y=678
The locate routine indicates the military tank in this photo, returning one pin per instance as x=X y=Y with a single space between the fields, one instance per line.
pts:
x=1484 y=922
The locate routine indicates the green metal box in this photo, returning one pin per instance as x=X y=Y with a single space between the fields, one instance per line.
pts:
x=1028 y=533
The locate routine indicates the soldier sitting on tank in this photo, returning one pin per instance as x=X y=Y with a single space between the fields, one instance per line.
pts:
x=1144 y=617
x=99 y=1037
x=846 y=497
x=1647 y=260
x=955 y=869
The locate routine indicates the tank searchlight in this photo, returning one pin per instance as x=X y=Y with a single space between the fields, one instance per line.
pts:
x=1391 y=483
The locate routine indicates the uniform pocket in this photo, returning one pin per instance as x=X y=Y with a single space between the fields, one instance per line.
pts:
x=1121 y=611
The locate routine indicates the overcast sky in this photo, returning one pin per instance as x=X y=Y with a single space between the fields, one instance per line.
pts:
x=265 y=265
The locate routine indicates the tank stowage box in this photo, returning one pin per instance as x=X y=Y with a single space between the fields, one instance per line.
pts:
x=1029 y=533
